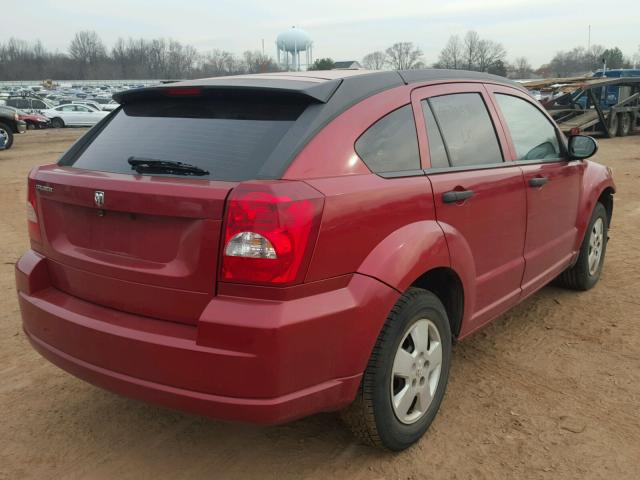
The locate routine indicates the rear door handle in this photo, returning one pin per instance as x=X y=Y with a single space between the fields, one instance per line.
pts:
x=538 y=181
x=457 y=196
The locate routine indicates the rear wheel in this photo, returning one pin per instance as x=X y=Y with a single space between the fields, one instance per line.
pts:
x=6 y=136
x=57 y=123
x=624 y=126
x=587 y=269
x=405 y=380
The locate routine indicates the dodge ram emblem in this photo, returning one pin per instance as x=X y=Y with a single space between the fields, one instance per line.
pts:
x=98 y=197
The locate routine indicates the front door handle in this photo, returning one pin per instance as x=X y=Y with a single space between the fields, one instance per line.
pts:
x=538 y=181
x=457 y=196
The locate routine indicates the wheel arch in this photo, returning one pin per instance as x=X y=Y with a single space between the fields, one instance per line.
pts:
x=447 y=285
x=606 y=199
x=420 y=255
x=597 y=186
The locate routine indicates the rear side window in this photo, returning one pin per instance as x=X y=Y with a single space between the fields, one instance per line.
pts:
x=229 y=137
x=467 y=129
x=533 y=136
x=437 y=151
x=391 y=144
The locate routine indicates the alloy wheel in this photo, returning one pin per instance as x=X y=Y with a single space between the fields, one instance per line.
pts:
x=416 y=371
x=596 y=242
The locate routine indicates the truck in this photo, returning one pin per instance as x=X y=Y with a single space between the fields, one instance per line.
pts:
x=607 y=102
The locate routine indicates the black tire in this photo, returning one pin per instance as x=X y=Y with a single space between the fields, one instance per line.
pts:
x=578 y=277
x=7 y=132
x=57 y=123
x=613 y=125
x=624 y=126
x=371 y=416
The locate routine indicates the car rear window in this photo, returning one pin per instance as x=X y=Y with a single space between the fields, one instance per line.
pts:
x=230 y=138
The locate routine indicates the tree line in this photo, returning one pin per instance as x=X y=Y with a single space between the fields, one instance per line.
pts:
x=472 y=52
x=88 y=58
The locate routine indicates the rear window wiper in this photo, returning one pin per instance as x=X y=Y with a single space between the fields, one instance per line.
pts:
x=149 y=165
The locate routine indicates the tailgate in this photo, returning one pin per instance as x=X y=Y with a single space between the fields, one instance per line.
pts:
x=142 y=244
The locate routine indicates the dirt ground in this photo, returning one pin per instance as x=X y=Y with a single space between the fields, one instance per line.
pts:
x=549 y=390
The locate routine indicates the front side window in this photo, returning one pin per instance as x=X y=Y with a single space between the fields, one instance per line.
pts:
x=467 y=129
x=391 y=144
x=533 y=136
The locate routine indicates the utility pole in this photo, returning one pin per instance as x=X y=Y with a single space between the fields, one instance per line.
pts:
x=589 y=40
x=263 y=47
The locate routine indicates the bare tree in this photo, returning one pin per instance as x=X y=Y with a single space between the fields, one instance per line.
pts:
x=375 y=60
x=470 y=52
x=521 y=68
x=86 y=47
x=488 y=54
x=258 y=62
x=451 y=54
x=220 y=62
x=577 y=61
x=404 y=56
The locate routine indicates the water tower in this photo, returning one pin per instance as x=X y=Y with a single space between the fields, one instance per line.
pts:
x=290 y=45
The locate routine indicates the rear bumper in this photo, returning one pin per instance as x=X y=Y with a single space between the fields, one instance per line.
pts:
x=248 y=360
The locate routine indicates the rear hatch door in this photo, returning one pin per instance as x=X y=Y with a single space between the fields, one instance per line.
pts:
x=149 y=243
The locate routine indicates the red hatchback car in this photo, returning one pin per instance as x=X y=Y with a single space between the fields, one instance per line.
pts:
x=260 y=248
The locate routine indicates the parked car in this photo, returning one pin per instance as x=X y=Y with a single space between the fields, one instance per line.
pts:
x=33 y=120
x=109 y=107
x=28 y=104
x=91 y=103
x=74 y=115
x=261 y=248
x=10 y=124
x=106 y=104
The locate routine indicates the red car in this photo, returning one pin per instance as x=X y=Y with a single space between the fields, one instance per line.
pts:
x=32 y=120
x=260 y=248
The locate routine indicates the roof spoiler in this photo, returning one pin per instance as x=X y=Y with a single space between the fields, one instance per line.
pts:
x=319 y=92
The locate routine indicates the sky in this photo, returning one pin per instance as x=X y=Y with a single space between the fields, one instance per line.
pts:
x=340 y=29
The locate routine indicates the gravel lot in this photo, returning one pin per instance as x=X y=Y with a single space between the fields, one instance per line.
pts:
x=549 y=390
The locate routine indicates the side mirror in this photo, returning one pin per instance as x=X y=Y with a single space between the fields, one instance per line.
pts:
x=582 y=147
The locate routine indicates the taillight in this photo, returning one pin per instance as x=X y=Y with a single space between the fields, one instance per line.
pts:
x=32 y=212
x=182 y=92
x=270 y=230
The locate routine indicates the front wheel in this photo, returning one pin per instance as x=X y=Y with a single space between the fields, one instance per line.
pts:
x=587 y=269
x=405 y=381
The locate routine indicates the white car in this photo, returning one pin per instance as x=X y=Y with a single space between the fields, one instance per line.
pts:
x=108 y=107
x=74 y=115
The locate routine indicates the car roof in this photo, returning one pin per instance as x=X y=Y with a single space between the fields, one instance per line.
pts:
x=321 y=85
